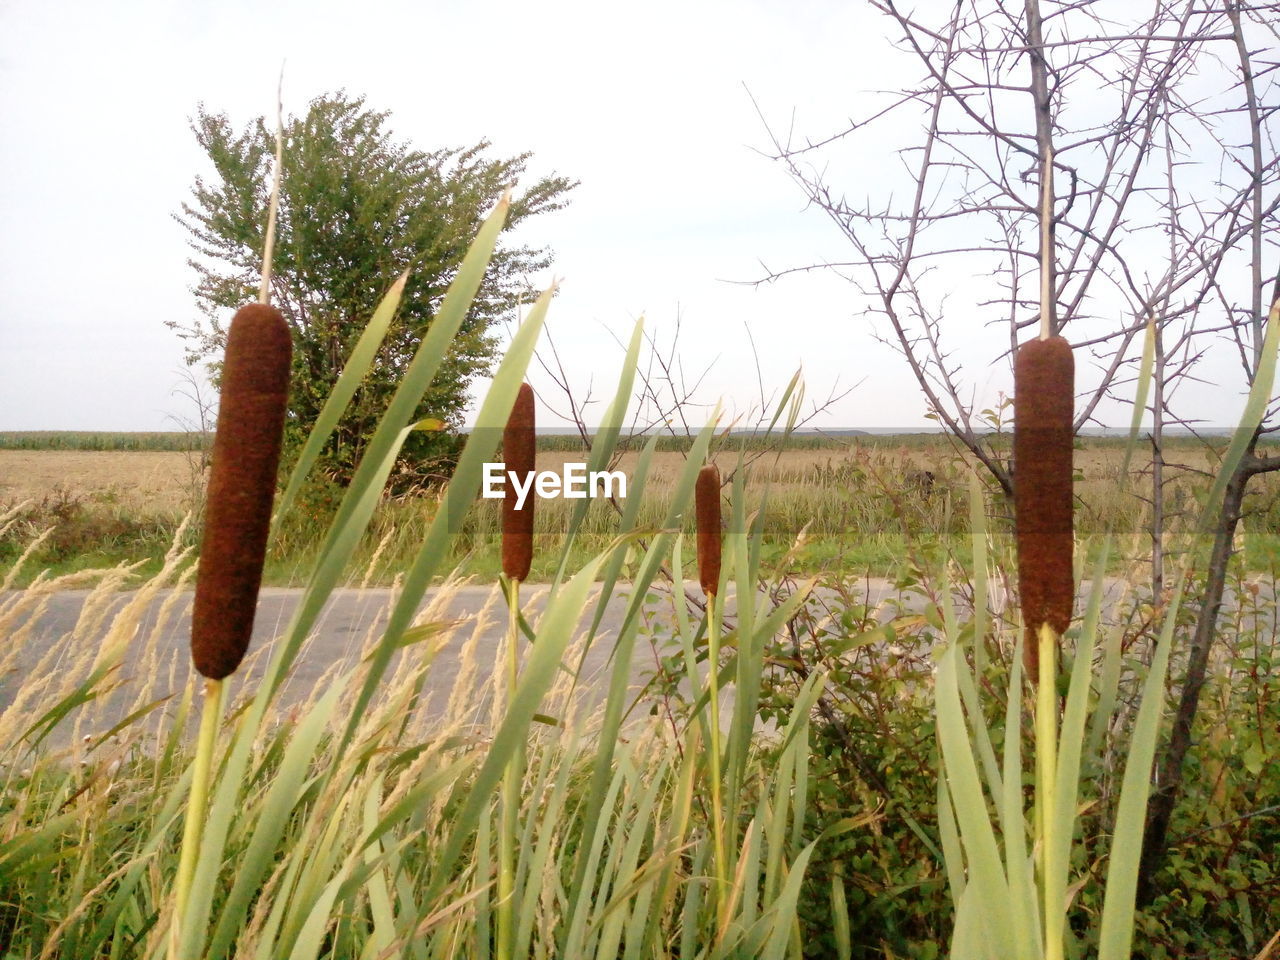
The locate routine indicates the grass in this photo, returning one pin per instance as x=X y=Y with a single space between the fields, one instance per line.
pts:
x=377 y=818
x=90 y=837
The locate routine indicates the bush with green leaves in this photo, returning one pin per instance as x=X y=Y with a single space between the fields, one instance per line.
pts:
x=357 y=208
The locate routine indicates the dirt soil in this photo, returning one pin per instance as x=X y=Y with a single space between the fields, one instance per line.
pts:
x=144 y=481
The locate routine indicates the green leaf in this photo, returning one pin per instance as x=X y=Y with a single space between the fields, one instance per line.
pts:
x=335 y=405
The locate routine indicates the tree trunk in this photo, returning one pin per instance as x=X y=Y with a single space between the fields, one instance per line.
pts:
x=1169 y=780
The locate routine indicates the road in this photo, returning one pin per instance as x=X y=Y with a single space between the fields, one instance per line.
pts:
x=61 y=633
x=43 y=643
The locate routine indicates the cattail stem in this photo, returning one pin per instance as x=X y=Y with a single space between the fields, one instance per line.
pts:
x=519 y=455
x=1051 y=870
x=269 y=243
x=717 y=810
x=193 y=828
x=1043 y=435
x=511 y=779
x=1046 y=245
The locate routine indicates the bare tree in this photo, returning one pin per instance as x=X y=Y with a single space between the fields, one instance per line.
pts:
x=1137 y=150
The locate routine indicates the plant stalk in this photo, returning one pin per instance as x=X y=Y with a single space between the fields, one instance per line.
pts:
x=510 y=794
x=193 y=829
x=1051 y=876
x=717 y=811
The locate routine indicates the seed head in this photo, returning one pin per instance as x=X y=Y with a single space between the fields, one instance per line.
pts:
x=242 y=483
x=519 y=452
x=1043 y=434
x=707 y=511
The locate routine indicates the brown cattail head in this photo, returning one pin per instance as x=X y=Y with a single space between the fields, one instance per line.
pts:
x=519 y=448
x=706 y=501
x=242 y=485
x=1043 y=434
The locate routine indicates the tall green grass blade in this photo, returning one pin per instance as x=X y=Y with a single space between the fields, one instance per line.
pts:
x=840 y=919
x=377 y=889
x=582 y=892
x=630 y=515
x=625 y=889
x=621 y=656
x=750 y=659
x=1140 y=399
x=978 y=535
x=272 y=817
x=1019 y=865
x=982 y=854
x=554 y=633
x=457 y=500
x=1108 y=689
x=949 y=834
x=792 y=410
x=783 y=909
x=604 y=443
x=776 y=831
x=353 y=372
x=542 y=851
x=1116 y=930
x=691 y=909
x=339 y=546
x=968 y=686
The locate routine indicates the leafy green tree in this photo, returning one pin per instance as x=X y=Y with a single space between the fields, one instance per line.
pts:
x=357 y=207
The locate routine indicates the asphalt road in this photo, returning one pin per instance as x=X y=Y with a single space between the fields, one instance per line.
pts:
x=350 y=619
x=41 y=642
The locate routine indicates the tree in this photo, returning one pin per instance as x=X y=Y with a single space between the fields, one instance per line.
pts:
x=1151 y=131
x=357 y=207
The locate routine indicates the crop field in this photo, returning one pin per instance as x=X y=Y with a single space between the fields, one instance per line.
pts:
x=867 y=505
x=102 y=440
x=140 y=481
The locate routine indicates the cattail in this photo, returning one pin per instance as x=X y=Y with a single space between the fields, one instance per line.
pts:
x=707 y=511
x=1043 y=434
x=242 y=483
x=519 y=448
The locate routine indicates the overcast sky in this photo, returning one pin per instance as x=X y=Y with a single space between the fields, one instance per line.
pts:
x=646 y=104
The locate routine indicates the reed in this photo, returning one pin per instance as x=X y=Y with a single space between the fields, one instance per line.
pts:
x=706 y=501
x=358 y=823
x=242 y=482
x=1044 y=383
x=1013 y=879
x=519 y=454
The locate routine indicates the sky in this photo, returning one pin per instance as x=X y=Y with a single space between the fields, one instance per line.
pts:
x=653 y=107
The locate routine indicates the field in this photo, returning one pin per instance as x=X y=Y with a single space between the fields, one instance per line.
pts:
x=881 y=505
